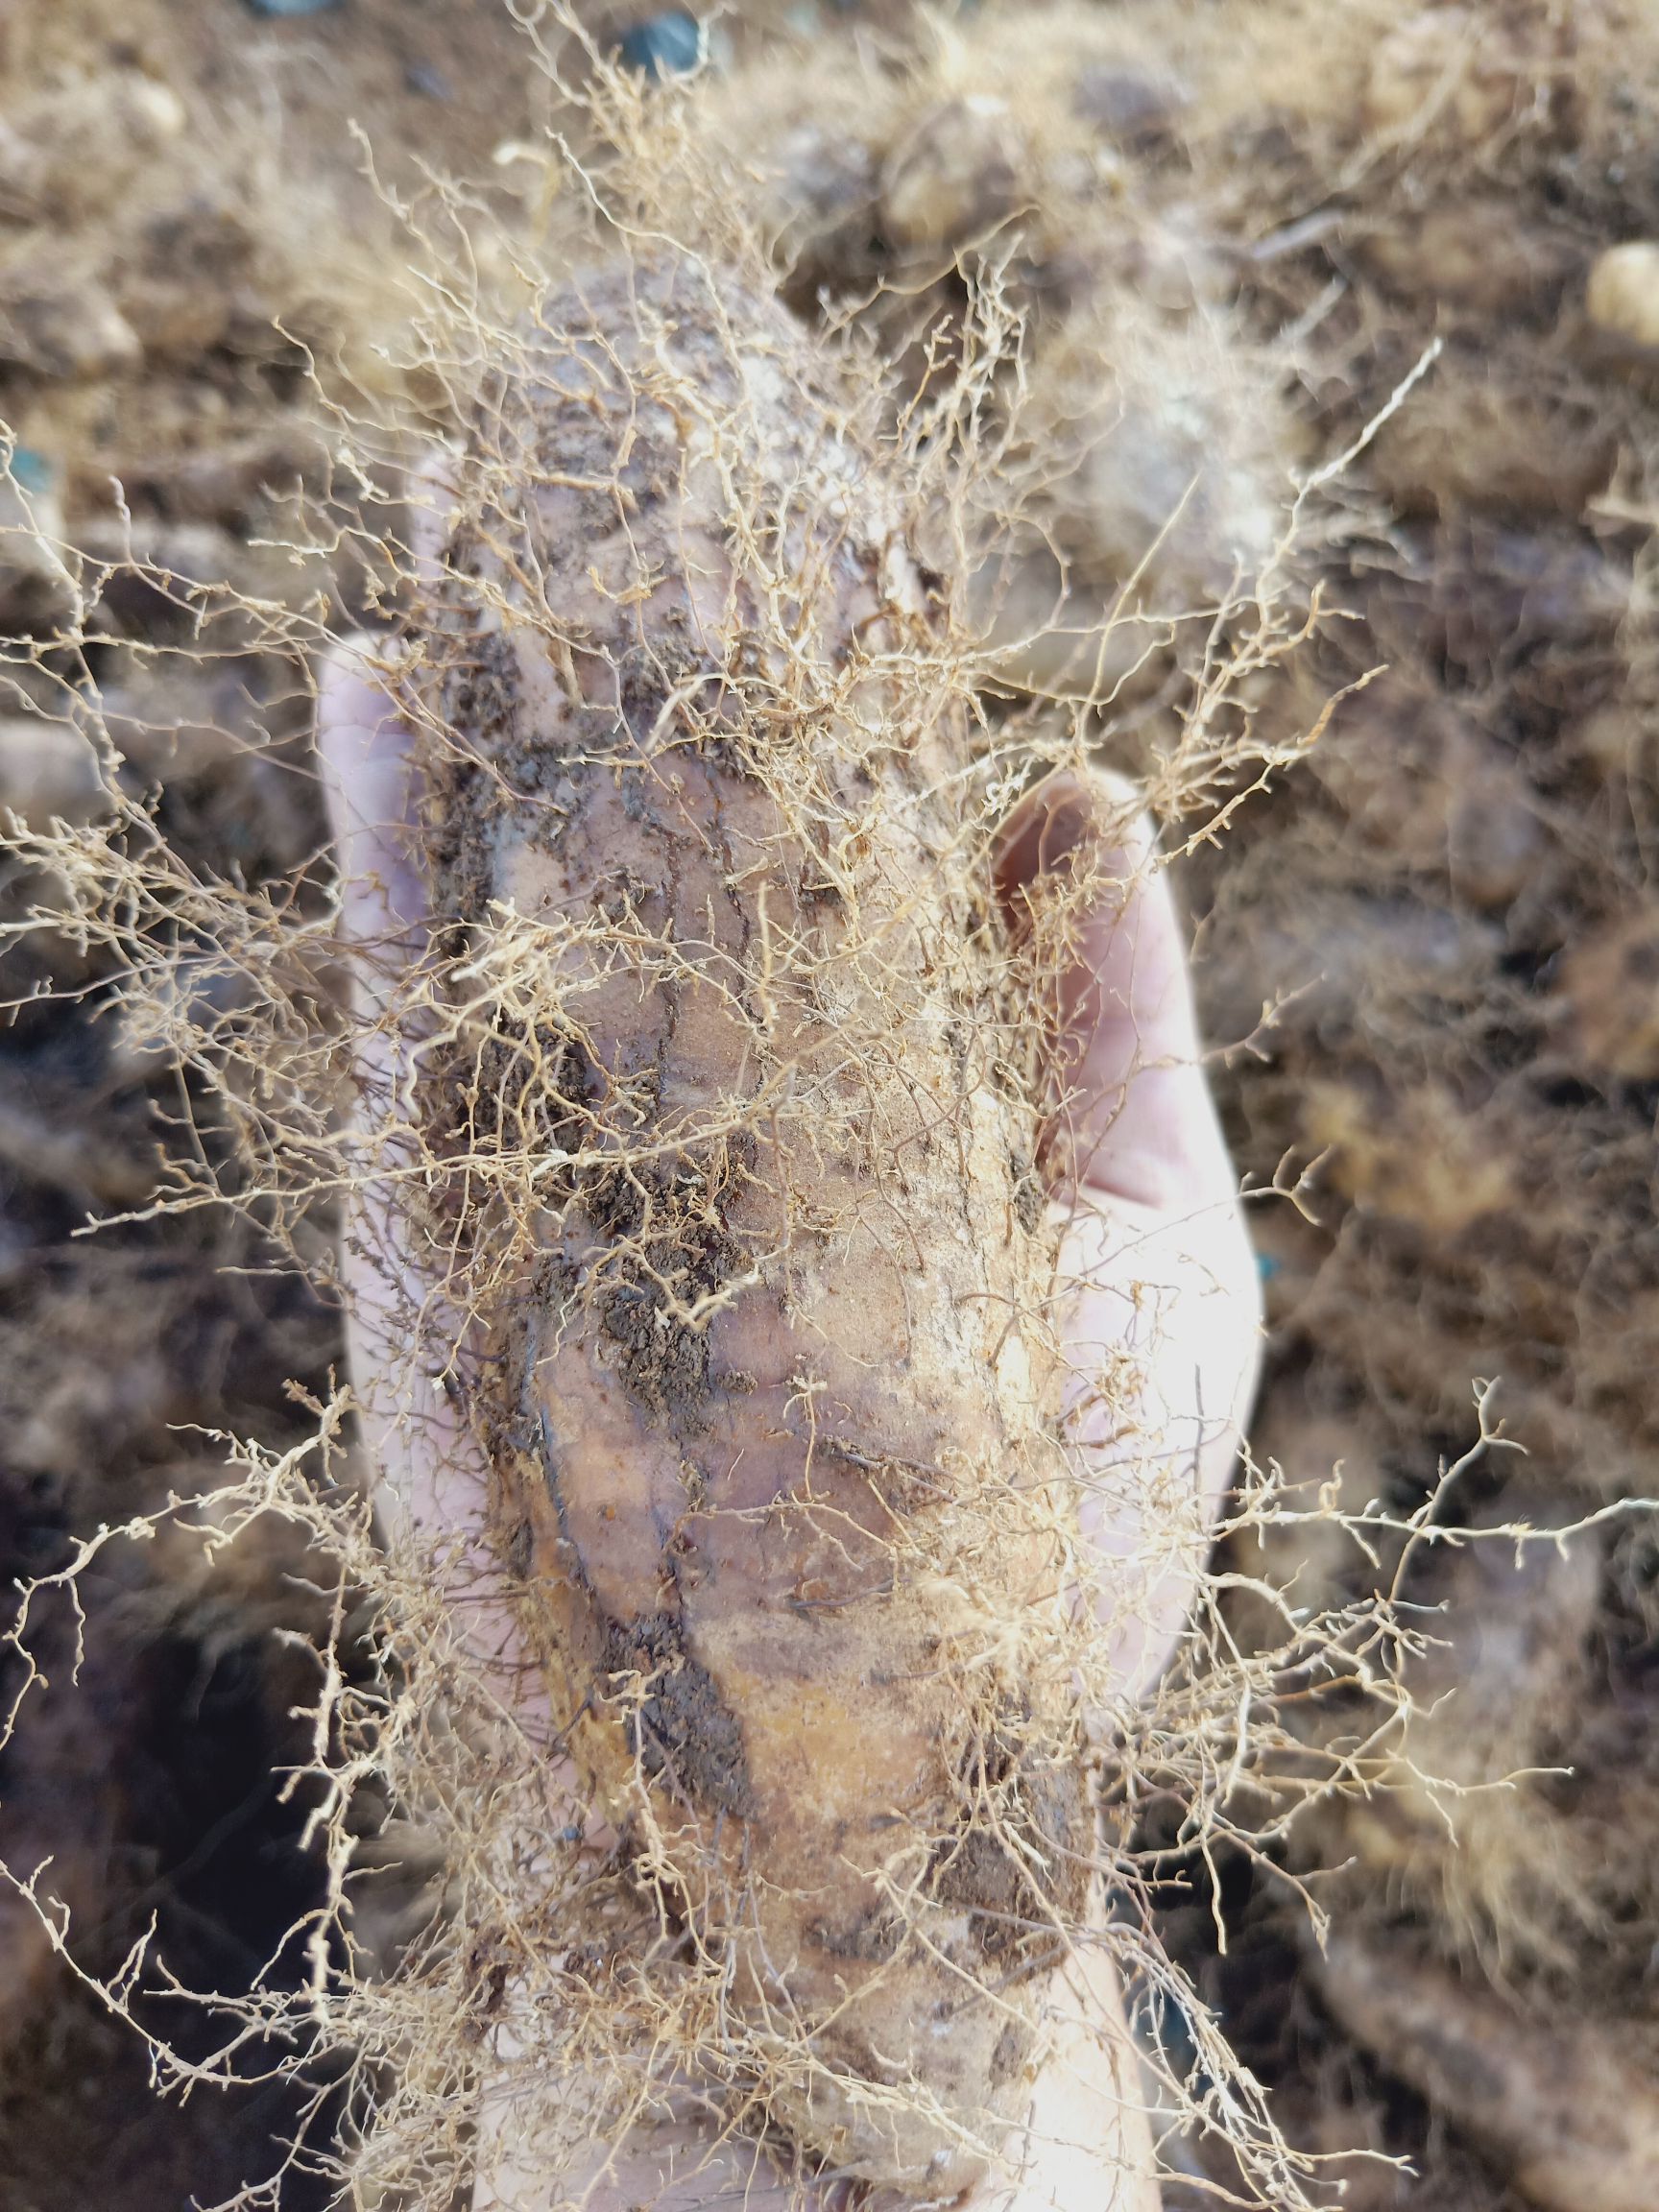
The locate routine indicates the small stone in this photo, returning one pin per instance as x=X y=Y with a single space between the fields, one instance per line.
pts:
x=1621 y=298
x=1469 y=441
x=825 y=176
x=1614 y=738
x=420 y=78
x=1135 y=107
x=187 y=1000
x=1607 y=983
x=666 y=45
x=289 y=7
x=149 y=574
x=176 y=725
x=73 y=151
x=60 y=325
x=48 y=771
x=1453 y=72
x=1424 y=784
x=231 y=484
x=191 y=265
x=955 y=175
x=1472 y=254
x=33 y=473
x=1414 y=1153
x=37 y=594
x=1495 y=840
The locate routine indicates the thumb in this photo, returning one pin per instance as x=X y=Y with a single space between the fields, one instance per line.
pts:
x=1078 y=876
x=1157 y=1304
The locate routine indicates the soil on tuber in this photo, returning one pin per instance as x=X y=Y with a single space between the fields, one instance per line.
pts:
x=732 y=1063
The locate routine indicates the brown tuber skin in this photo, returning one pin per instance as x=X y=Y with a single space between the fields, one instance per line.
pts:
x=762 y=1418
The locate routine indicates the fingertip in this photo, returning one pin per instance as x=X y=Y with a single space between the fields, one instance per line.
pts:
x=365 y=752
x=1078 y=873
x=1069 y=812
x=357 y=718
x=431 y=499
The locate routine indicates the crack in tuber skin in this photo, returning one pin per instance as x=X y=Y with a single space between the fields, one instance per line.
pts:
x=743 y=1143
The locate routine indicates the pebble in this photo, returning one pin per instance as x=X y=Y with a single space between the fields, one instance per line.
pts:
x=75 y=151
x=1621 y=298
x=1495 y=843
x=1473 y=254
x=1426 y=784
x=72 y=1157
x=289 y=7
x=1412 y=1153
x=1453 y=72
x=228 y=484
x=1132 y=106
x=62 y=327
x=37 y=593
x=1471 y=440
x=955 y=175
x=176 y=727
x=188 y=1001
x=49 y=771
x=189 y=268
x=420 y=77
x=150 y=575
x=1607 y=983
x=666 y=45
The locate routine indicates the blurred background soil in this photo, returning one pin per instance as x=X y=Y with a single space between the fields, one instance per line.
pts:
x=1428 y=954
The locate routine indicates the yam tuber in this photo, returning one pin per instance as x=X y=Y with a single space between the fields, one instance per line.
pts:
x=742 y=1126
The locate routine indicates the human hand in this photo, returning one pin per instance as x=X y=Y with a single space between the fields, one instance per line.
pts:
x=1158 y=1292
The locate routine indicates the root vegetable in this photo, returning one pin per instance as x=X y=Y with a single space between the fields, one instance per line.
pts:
x=750 y=1217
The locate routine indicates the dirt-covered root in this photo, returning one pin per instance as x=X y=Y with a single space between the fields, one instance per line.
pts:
x=743 y=1158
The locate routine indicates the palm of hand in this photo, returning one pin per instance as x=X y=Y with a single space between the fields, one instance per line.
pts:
x=1157 y=1273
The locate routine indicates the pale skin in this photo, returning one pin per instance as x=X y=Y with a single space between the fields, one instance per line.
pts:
x=1159 y=1285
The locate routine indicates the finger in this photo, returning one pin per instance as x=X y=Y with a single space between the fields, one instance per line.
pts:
x=367 y=759
x=1077 y=868
x=1090 y=2132
x=403 y=1336
x=366 y=754
x=1086 y=2140
x=1157 y=1298
x=670 y=2166
x=1161 y=1319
